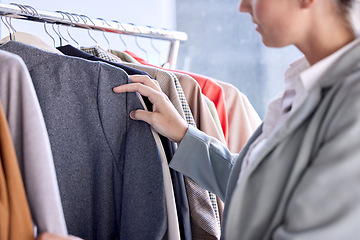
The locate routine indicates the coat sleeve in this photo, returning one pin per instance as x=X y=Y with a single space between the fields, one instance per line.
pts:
x=205 y=160
x=326 y=202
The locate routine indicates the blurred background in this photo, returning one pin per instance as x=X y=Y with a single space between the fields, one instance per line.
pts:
x=222 y=43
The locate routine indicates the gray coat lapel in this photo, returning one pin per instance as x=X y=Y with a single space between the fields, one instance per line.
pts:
x=311 y=102
x=248 y=200
x=258 y=201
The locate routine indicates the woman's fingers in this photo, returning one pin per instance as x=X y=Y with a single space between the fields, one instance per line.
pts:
x=146 y=80
x=144 y=90
x=164 y=118
x=141 y=115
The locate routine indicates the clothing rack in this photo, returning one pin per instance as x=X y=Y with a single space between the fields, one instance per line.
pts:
x=26 y=12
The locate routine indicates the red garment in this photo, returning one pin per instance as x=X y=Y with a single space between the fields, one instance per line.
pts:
x=209 y=87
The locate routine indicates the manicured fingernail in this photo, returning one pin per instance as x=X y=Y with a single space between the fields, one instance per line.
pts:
x=132 y=114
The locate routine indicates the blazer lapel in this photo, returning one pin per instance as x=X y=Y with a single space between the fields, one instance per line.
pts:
x=311 y=102
x=240 y=195
x=289 y=126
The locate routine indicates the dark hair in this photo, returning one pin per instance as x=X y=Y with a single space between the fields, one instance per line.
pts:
x=350 y=9
x=345 y=6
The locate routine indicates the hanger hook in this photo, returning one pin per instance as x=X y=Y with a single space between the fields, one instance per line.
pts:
x=103 y=32
x=22 y=8
x=152 y=43
x=35 y=13
x=60 y=39
x=10 y=29
x=83 y=17
x=137 y=43
x=71 y=25
x=33 y=10
x=58 y=25
x=49 y=33
x=120 y=35
x=77 y=20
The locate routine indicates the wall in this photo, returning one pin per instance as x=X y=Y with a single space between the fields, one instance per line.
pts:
x=156 y=13
x=223 y=44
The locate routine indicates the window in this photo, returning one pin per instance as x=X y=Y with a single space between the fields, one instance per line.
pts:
x=224 y=45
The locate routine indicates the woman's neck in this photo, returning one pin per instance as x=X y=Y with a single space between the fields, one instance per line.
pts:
x=326 y=31
x=320 y=48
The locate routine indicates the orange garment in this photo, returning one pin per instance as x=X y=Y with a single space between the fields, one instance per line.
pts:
x=15 y=218
x=209 y=87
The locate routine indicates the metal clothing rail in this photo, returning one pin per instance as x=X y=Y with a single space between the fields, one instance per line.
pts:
x=26 y=12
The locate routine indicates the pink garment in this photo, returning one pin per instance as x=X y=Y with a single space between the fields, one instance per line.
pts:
x=242 y=117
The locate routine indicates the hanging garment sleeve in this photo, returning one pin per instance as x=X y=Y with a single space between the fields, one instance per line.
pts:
x=32 y=144
x=14 y=210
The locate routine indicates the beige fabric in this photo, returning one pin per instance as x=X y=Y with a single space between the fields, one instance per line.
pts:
x=32 y=40
x=124 y=56
x=15 y=218
x=173 y=232
x=215 y=116
x=242 y=117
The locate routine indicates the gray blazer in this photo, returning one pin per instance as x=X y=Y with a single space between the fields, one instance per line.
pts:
x=305 y=185
x=107 y=165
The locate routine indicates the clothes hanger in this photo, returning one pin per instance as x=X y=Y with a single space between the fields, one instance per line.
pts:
x=28 y=38
x=83 y=18
x=68 y=15
x=58 y=34
x=120 y=35
x=153 y=46
x=71 y=25
x=103 y=32
x=137 y=43
x=9 y=27
x=78 y=19
x=167 y=65
x=49 y=34
x=61 y=37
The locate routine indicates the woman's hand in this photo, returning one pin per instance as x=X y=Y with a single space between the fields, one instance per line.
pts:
x=164 y=118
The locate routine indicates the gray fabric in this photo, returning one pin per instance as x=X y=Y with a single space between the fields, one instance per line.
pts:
x=32 y=146
x=305 y=185
x=108 y=167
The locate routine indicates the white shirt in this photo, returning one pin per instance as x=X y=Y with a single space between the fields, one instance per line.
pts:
x=299 y=79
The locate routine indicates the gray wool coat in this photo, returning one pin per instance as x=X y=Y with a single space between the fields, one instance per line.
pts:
x=306 y=184
x=107 y=165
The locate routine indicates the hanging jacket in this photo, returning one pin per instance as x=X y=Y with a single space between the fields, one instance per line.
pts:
x=14 y=209
x=108 y=167
x=32 y=146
